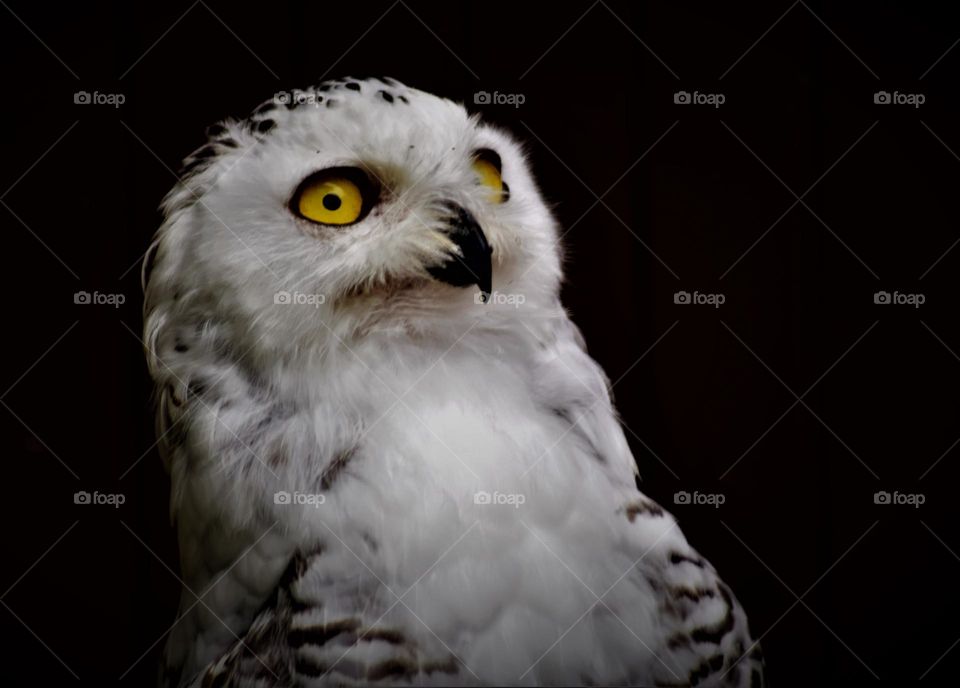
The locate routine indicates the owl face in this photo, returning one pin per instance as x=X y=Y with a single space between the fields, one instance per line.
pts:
x=353 y=203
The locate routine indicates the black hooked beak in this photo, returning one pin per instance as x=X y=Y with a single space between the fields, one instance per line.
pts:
x=473 y=263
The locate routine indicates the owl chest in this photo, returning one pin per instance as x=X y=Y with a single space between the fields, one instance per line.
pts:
x=460 y=424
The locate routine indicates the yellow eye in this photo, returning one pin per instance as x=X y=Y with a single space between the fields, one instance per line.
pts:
x=486 y=165
x=333 y=197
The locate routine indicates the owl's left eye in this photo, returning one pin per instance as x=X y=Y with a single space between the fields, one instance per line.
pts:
x=335 y=196
x=486 y=165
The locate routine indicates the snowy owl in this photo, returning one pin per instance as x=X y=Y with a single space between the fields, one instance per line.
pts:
x=392 y=460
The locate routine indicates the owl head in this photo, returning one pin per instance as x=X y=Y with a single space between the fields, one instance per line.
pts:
x=348 y=207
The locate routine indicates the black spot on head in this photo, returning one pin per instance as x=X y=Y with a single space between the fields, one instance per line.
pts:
x=386 y=96
x=215 y=130
x=332 y=104
x=228 y=142
x=353 y=86
x=676 y=558
x=191 y=167
x=506 y=192
x=323 y=87
x=180 y=347
x=265 y=125
x=693 y=594
x=199 y=158
x=404 y=99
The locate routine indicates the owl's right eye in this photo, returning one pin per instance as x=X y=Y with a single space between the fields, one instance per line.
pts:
x=336 y=196
x=486 y=165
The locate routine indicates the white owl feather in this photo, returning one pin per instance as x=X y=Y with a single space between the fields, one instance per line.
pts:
x=377 y=477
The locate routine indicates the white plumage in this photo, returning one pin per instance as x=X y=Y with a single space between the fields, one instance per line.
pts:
x=462 y=506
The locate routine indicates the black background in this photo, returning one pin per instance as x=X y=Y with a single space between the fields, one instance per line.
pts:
x=679 y=211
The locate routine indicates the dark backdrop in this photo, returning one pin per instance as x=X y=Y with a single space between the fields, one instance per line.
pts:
x=797 y=399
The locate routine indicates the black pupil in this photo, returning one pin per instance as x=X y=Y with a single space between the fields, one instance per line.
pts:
x=331 y=201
